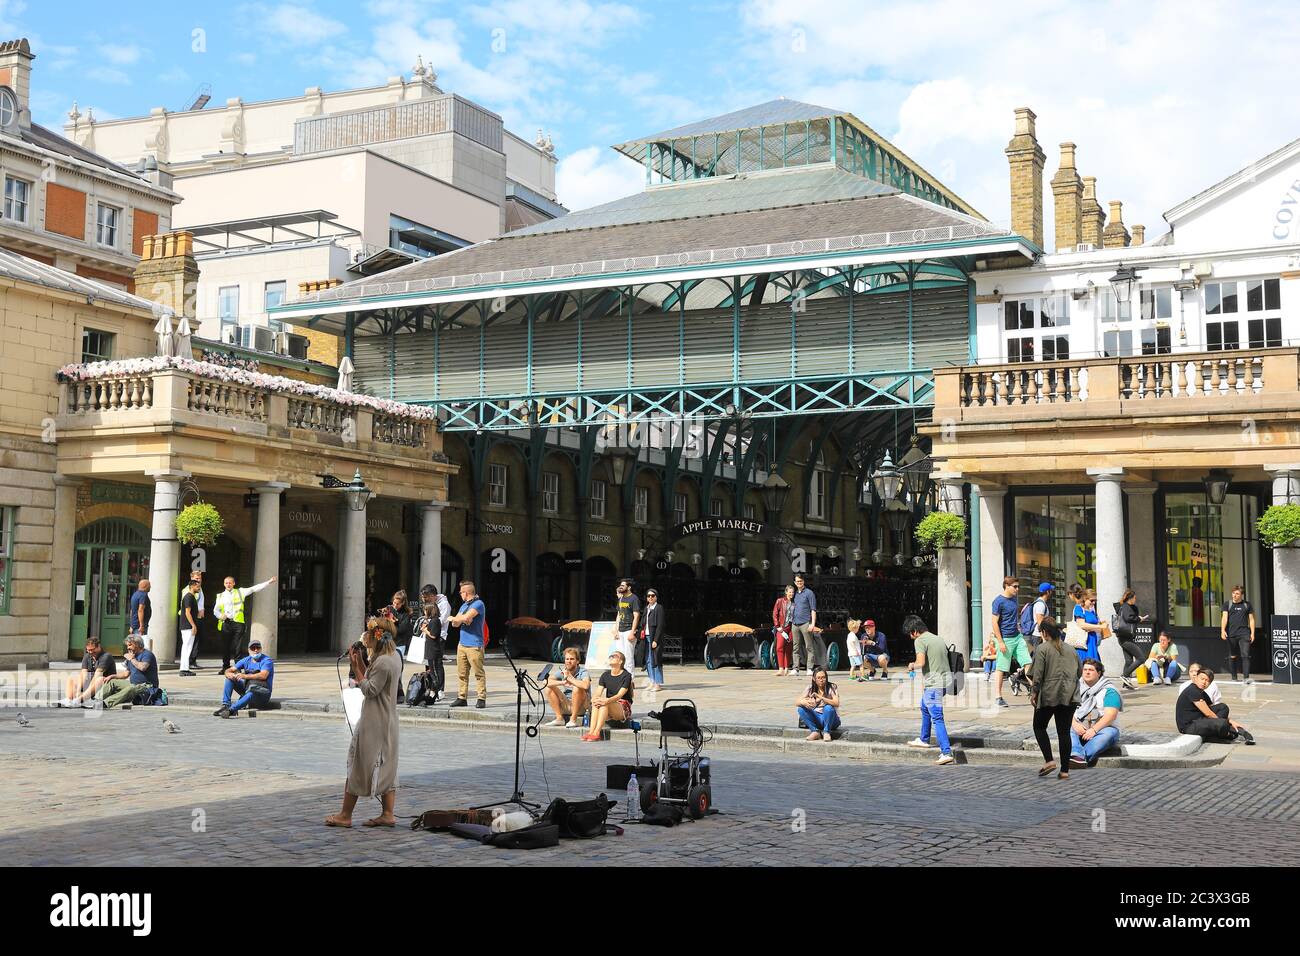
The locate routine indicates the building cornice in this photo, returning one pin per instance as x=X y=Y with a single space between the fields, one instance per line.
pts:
x=132 y=184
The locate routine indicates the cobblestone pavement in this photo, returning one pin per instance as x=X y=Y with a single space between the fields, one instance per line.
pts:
x=117 y=790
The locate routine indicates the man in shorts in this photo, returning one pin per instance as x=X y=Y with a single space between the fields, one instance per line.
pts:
x=1012 y=651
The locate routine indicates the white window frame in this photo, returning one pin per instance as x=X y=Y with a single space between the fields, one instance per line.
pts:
x=641 y=509
x=551 y=492
x=817 y=495
x=7 y=521
x=498 y=491
x=596 y=504
x=680 y=507
x=1039 y=326
x=11 y=186
x=715 y=507
x=114 y=227
x=1266 y=314
x=221 y=314
x=751 y=512
x=109 y=337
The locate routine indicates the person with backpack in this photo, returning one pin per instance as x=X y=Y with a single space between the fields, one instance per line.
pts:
x=1055 y=674
x=1006 y=632
x=932 y=661
x=1124 y=624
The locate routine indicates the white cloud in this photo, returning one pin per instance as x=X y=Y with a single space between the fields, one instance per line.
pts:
x=104 y=74
x=294 y=23
x=120 y=55
x=595 y=175
x=1162 y=99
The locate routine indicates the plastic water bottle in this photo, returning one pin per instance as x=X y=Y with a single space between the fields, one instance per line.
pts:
x=633 y=798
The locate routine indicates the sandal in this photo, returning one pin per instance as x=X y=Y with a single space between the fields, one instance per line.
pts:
x=1063 y=775
x=380 y=822
x=334 y=820
x=1047 y=769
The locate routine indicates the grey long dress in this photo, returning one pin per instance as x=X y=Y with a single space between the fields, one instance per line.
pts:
x=372 y=755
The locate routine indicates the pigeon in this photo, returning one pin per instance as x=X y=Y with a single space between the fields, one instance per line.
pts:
x=170 y=727
x=22 y=720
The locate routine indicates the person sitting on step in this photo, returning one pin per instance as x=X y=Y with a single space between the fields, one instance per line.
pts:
x=819 y=706
x=566 y=690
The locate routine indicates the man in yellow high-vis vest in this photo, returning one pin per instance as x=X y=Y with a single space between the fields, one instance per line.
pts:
x=229 y=612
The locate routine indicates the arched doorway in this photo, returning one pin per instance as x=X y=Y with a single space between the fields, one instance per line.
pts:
x=306 y=575
x=642 y=573
x=383 y=573
x=453 y=569
x=112 y=556
x=225 y=557
x=552 y=588
x=601 y=575
x=499 y=588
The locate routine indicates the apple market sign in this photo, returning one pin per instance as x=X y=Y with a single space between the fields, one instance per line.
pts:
x=706 y=525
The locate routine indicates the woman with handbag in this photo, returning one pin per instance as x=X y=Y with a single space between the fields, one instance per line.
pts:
x=372 y=754
x=1127 y=617
x=1085 y=616
x=781 y=630
x=1055 y=675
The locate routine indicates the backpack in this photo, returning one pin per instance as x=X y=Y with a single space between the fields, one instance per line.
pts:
x=418 y=689
x=581 y=819
x=1026 y=622
x=956 y=664
x=153 y=696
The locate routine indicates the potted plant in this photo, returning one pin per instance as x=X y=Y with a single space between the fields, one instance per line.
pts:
x=199 y=524
x=941 y=529
x=1279 y=526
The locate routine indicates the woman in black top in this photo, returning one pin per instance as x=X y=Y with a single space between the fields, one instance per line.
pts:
x=1129 y=617
x=400 y=615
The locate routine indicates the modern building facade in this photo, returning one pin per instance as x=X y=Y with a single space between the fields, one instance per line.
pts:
x=1116 y=438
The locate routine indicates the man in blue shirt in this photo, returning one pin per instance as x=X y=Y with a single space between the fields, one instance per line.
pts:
x=875 y=650
x=251 y=677
x=142 y=673
x=1012 y=652
x=469 y=653
x=803 y=622
x=141 y=611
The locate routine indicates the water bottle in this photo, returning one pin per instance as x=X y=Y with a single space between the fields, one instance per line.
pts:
x=633 y=798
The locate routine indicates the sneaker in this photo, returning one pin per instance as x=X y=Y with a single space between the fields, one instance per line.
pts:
x=66 y=702
x=884 y=675
x=460 y=702
x=571 y=726
x=222 y=711
x=826 y=736
x=1247 y=736
x=480 y=703
x=1002 y=703
x=1129 y=683
x=558 y=722
x=920 y=744
x=1077 y=761
x=1249 y=680
x=186 y=674
x=946 y=759
x=810 y=672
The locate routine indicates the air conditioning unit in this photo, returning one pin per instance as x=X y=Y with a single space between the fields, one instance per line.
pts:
x=259 y=338
x=294 y=346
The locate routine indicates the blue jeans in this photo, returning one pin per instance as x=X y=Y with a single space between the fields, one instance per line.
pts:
x=250 y=691
x=824 y=723
x=1098 y=745
x=654 y=670
x=1172 y=670
x=988 y=668
x=932 y=714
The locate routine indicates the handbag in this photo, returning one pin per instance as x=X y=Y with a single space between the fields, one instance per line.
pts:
x=580 y=820
x=1076 y=637
x=640 y=652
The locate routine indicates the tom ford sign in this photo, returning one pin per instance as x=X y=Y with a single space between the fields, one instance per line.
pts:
x=705 y=525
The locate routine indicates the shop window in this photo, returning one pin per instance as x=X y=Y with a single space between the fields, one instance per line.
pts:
x=1208 y=549
x=6 y=549
x=550 y=492
x=597 y=504
x=1055 y=540
x=497 y=484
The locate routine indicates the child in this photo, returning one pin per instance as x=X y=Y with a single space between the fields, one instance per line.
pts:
x=855 y=651
x=990 y=655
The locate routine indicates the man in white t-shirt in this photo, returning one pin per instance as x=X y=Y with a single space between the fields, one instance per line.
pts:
x=1041 y=610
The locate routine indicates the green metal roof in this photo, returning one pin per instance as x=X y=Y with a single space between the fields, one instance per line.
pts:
x=770 y=113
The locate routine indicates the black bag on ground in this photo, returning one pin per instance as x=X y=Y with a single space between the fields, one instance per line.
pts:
x=639 y=652
x=538 y=836
x=956 y=664
x=417 y=690
x=662 y=815
x=580 y=820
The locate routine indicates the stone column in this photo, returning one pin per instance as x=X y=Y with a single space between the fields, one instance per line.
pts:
x=1286 y=561
x=341 y=548
x=952 y=600
x=431 y=543
x=352 y=616
x=265 y=624
x=1112 y=563
x=164 y=561
x=992 y=556
x=1142 y=546
x=62 y=555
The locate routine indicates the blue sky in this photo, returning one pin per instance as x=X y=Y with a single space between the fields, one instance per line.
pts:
x=1162 y=98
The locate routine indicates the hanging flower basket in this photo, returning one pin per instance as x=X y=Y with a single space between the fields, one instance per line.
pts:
x=199 y=524
x=1279 y=526
x=940 y=529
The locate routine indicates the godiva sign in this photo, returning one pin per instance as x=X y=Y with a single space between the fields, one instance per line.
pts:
x=120 y=493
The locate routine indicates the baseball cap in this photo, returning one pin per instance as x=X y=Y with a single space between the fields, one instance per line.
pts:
x=1044 y=587
x=254 y=643
x=869 y=623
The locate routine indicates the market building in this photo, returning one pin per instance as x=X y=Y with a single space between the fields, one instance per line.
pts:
x=1132 y=406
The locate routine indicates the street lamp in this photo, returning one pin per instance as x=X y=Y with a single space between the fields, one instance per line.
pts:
x=1122 y=282
x=775 y=490
x=357 y=492
x=620 y=458
x=1216 y=486
x=916 y=467
x=887 y=481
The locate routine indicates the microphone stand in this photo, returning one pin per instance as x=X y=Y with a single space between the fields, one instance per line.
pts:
x=522 y=680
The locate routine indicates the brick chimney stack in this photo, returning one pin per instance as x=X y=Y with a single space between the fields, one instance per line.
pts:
x=1026 y=159
x=1139 y=235
x=16 y=73
x=1092 y=217
x=168 y=273
x=1115 y=235
x=1067 y=190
